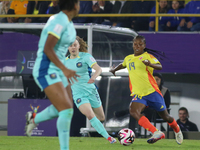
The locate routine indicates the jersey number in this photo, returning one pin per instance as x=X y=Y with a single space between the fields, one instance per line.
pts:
x=131 y=65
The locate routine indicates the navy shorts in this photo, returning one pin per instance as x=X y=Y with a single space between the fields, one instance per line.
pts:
x=153 y=100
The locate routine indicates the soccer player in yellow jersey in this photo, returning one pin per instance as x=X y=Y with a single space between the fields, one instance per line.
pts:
x=145 y=90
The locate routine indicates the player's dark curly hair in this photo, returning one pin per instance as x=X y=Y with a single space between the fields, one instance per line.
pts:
x=83 y=44
x=67 y=4
x=159 y=54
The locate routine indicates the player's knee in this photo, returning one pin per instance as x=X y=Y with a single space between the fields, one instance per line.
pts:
x=134 y=114
x=101 y=118
x=90 y=116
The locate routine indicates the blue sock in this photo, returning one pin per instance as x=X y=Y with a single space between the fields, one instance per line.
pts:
x=47 y=114
x=63 y=126
x=99 y=127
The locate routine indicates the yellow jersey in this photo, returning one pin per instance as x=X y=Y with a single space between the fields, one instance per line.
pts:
x=141 y=80
x=20 y=7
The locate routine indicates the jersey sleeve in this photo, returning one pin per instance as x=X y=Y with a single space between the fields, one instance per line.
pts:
x=124 y=62
x=56 y=27
x=90 y=60
x=153 y=59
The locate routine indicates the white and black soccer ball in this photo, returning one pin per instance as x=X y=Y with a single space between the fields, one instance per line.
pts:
x=126 y=136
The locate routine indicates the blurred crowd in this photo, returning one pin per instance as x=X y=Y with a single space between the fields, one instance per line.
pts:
x=112 y=7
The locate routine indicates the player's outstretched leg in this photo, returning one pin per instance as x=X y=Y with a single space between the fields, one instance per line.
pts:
x=157 y=135
x=101 y=130
x=32 y=119
x=177 y=131
x=30 y=125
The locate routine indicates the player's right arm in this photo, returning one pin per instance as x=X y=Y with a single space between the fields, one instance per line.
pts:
x=55 y=27
x=49 y=51
x=113 y=69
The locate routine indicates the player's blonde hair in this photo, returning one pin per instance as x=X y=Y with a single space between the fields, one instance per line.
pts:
x=83 y=44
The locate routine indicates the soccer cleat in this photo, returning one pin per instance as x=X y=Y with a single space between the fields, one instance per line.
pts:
x=179 y=137
x=30 y=125
x=111 y=140
x=157 y=135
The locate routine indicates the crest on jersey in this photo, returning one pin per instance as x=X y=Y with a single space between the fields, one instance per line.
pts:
x=78 y=100
x=53 y=76
x=25 y=5
x=79 y=64
x=140 y=58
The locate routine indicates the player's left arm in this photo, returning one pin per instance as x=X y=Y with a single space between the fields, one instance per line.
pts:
x=156 y=66
x=98 y=71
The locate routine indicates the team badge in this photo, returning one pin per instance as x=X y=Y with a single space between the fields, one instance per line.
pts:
x=79 y=64
x=53 y=76
x=78 y=100
x=140 y=58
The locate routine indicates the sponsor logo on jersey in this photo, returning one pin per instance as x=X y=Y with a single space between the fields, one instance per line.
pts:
x=78 y=100
x=161 y=107
x=79 y=64
x=53 y=76
x=140 y=58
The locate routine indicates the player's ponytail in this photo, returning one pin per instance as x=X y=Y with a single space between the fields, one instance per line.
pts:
x=158 y=54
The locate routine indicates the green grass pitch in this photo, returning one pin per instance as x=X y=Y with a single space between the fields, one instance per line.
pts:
x=91 y=143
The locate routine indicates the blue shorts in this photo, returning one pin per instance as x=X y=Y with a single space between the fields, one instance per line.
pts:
x=51 y=78
x=93 y=99
x=153 y=100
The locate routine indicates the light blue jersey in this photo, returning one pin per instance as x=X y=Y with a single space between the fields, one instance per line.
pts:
x=59 y=26
x=82 y=91
x=82 y=65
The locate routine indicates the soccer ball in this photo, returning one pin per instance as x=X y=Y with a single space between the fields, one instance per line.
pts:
x=126 y=136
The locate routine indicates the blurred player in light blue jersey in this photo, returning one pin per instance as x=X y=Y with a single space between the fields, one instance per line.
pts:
x=84 y=91
x=50 y=73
